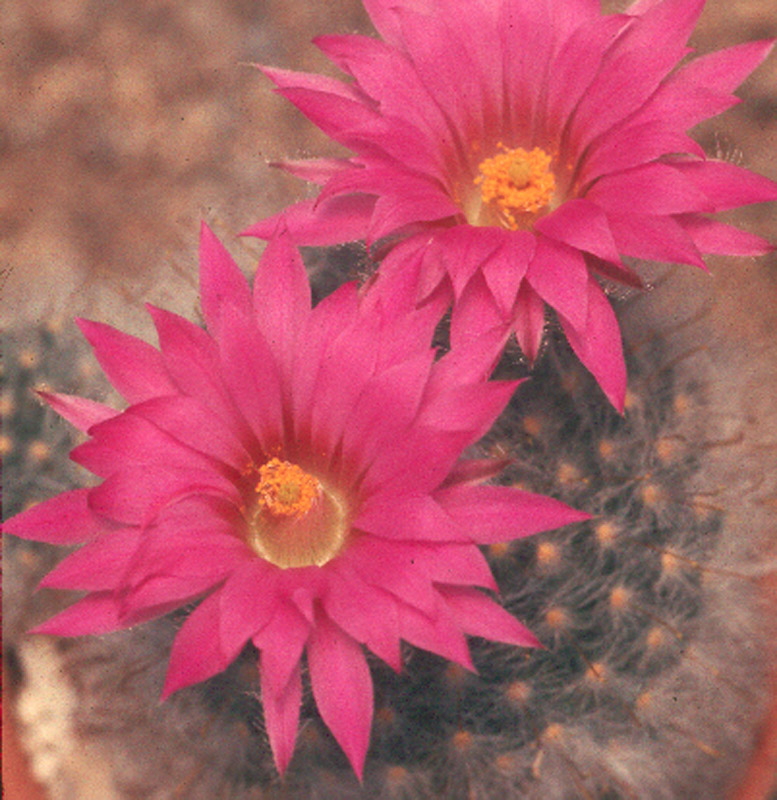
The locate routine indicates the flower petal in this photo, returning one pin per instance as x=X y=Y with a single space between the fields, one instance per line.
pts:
x=478 y=615
x=315 y=170
x=473 y=471
x=220 y=280
x=80 y=412
x=281 y=703
x=133 y=366
x=195 y=425
x=437 y=633
x=282 y=641
x=98 y=565
x=198 y=653
x=475 y=313
x=529 y=321
x=96 y=613
x=281 y=276
x=558 y=274
x=504 y=270
x=129 y=439
x=500 y=513
x=409 y=518
x=364 y=612
x=651 y=189
x=726 y=185
x=341 y=219
x=583 y=225
x=248 y=602
x=192 y=360
x=659 y=238
x=251 y=373
x=135 y=494
x=598 y=345
x=711 y=236
x=342 y=688
x=64 y=519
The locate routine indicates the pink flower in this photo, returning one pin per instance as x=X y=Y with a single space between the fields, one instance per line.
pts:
x=523 y=147
x=301 y=470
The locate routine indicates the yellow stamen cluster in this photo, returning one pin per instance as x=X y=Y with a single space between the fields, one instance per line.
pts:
x=286 y=490
x=517 y=181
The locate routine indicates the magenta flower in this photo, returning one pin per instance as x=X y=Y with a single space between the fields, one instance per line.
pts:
x=523 y=147
x=301 y=470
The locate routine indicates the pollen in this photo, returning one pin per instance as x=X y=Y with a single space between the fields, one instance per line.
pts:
x=516 y=182
x=285 y=489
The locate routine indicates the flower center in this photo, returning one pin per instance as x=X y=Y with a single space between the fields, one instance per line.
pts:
x=516 y=182
x=296 y=521
x=286 y=490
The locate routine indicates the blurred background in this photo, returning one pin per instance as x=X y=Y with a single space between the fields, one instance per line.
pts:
x=125 y=124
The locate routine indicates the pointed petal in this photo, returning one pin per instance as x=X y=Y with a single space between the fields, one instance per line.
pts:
x=655 y=188
x=342 y=688
x=369 y=427
x=220 y=280
x=336 y=108
x=281 y=703
x=80 y=412
x=344 y=218
x=475 y=313
x=641 y=58
x=583 y=225
x=98 y=565
x=437 y=633
x=192 y=360
x=133 y=366
x=473 y=471
x=433 y=452
x=282 y=641
x=659 y=238
x=195 y=425
x=724 y=70
x=365 y=612
x=598 y=345
x=419 y=204
x=409 y=518
x=468 y=408
x=390 y=566
x=197 y=653
x=135 y=494
x=726 y=185
x=281 y=295
x=462 y=250
x=64 y=519
x=469 y=363
x=315 y=170
x=500 y=513
x=478 y=615
x=558 y=274
x=711 y=236
x=332 y=315
x=529 y=321
x=455 y=564
x=251 y=373
x=248 y=602
x=129 y=439
x=505 y=270
x=96 y=613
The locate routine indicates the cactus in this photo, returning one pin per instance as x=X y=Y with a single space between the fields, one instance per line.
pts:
x=651 y=681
